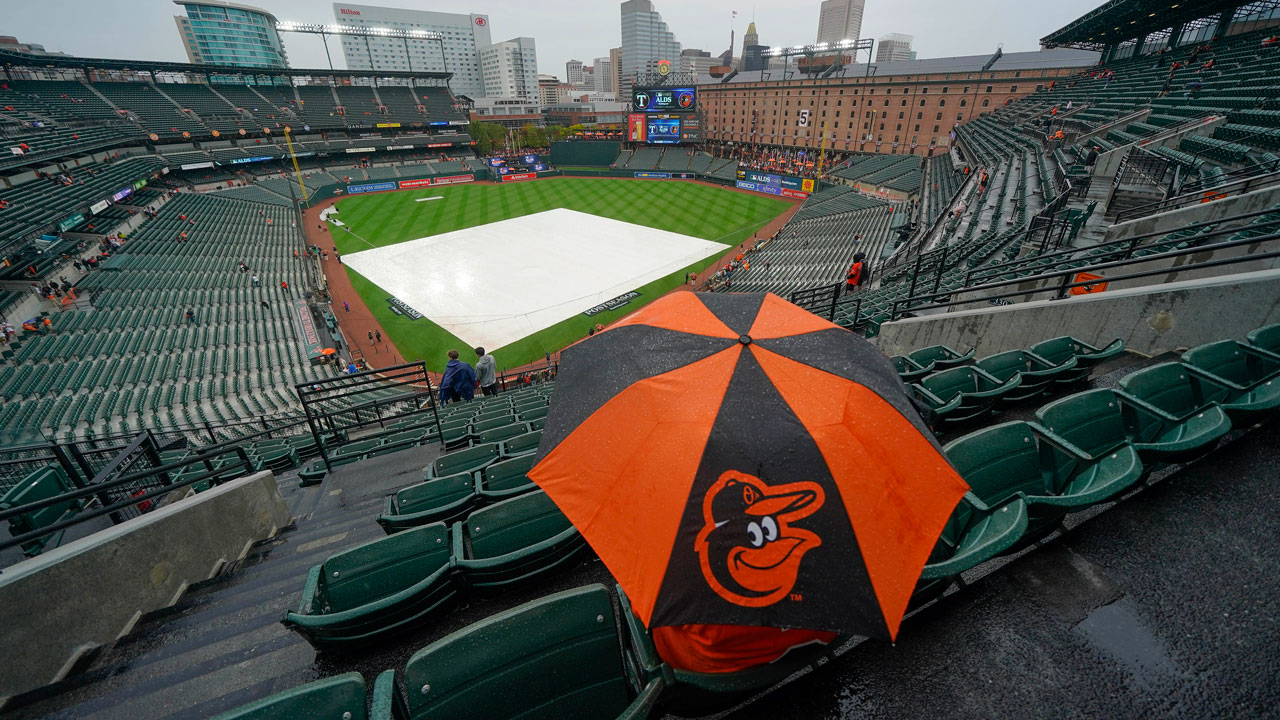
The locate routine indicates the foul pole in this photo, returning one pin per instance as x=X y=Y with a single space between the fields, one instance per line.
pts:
x=288 y=140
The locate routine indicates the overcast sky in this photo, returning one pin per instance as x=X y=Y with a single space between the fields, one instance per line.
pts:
x=564 y=29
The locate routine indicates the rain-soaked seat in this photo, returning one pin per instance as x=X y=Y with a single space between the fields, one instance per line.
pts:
x=1060 y=349
x=1038 y=375
x=1246 y=380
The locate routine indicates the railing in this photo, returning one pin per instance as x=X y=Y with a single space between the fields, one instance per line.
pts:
x=1248 y=171
x=1108 y=127
x=1238 y=187
x=129 y=492
x=904 y=305
x=820 y=301
x=1125 y=246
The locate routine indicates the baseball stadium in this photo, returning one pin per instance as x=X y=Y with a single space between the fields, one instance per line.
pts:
x=694 y=386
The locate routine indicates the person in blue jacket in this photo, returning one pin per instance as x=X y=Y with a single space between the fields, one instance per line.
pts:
x=459 y=382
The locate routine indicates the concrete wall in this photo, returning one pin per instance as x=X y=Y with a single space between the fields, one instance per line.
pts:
x=1204 y=212
x=89 y=592
x=1151 y=320
x=1109 y=162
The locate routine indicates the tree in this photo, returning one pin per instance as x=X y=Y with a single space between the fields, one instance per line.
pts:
x=533 y=137
x=487 y=136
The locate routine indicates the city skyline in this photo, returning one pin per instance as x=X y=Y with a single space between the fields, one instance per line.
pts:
x=576 y=31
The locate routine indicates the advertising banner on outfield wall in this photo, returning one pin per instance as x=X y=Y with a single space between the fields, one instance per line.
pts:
x=453 y=180
x=654 y=175
x=519 y=176
x=370 y=187
x=772 y=190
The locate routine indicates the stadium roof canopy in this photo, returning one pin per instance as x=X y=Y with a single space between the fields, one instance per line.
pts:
x=1116 y=21
x=966 y=64
x=14 y=59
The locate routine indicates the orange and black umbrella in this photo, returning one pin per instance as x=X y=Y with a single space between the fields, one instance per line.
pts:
x=736 y=460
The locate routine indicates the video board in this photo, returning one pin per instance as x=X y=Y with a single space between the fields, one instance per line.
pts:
x=664 y=128
x=664 y=100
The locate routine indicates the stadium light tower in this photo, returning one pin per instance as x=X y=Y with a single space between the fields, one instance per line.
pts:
x=811 y=51
x=324 y=31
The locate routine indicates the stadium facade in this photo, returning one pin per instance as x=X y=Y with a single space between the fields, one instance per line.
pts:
x=222 y=33
x=897 y=108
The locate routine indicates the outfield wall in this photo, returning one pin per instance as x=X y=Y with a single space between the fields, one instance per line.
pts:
x=576 y=152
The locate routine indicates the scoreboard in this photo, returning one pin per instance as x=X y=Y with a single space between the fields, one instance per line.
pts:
x=664 y=100
x=664 y=116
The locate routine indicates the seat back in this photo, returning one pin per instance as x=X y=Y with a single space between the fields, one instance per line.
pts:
x=47 y=482
x=504 y=432
x=434 y=493
x=1057 y=351
x=949 y=383
x=1167 y=386
x=522 y=444
x=998 y=462
x=556 y=657
x=514 y=524
x=472 y=458
x=924 y=356
x=1266 y=338
x=1006 y=364
x=1090 y=420
x=508 y=474
x=1223 y=358
x=495 y=421
x=384 y=566
x=340 y=696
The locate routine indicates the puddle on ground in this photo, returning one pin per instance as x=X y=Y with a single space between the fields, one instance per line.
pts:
x=1118 y=630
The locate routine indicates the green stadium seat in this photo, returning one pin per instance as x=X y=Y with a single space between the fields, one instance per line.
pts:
x=1180 y=421
x=1266 y=339
x=46 y=483
x=1246 y=380
x=909 y=370
x=515 y=541
x=525 y=444
x=940 y=357
x=502 y=433
x=378 y=587
x=532 y=413
x=1061 y=349
x=1021 y=460
x=977 y=392
x=445 y=499
x=465 y=461
x=1037 y=374
x=340 y=696
x=973 y=534
x=492 y=421
x=507 y=479
x=556 y=657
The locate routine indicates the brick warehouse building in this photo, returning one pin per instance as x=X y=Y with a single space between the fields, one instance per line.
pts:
x=905 y=107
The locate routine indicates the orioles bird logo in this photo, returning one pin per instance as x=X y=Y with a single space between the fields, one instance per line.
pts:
x=749 y=551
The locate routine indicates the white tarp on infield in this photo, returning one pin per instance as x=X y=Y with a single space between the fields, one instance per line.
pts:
x=494 y=284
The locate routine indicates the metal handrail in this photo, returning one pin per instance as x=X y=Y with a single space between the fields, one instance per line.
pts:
x=242 y=460
x=1133 y=241
x=1196 y=197
x=1067 y=274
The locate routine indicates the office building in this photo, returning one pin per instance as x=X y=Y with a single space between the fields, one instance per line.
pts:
x=223 y=33
x=573 y=72
x=752 y=51
x=698 y=62
x=464 y=35
x=510 y=69
x=615 y=68
x=840 y=20
x=894 y=47
x=603 y=75
x=646 y=41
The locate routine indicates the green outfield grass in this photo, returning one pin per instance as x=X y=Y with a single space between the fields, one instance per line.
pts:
x=702 y=211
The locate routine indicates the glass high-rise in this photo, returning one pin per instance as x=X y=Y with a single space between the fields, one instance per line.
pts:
x=222 y=33
x=646 y=41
